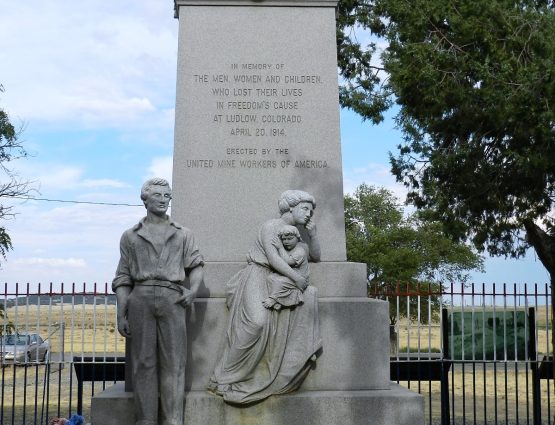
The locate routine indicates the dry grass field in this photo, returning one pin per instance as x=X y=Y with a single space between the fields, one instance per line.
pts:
x=71 y=329
x=34 y=392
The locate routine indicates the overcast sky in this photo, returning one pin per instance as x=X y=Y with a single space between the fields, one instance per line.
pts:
x=93 y=87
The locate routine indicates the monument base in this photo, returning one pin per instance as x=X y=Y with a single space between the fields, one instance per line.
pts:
x=396 y=406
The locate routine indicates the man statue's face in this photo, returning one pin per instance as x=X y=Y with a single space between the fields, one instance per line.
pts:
x=158 y=200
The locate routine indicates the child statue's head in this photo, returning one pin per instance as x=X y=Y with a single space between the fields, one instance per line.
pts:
x=289 y=236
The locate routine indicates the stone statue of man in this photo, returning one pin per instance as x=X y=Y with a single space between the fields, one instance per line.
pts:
x=157 y=255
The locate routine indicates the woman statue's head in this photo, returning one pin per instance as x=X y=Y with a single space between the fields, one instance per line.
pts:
x=291 y=198
x=297 y=205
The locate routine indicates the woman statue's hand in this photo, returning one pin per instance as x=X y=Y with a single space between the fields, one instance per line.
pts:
x=313 y=243
x=301 y=282
x=276 y=241
x=310 y=226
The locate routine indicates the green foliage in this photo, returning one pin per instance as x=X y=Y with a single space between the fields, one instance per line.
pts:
x=402 y=249
x=362 y=89
x=475 y=84
x=477 y=116
x=10 y=185
x=5 y=242
x=5 y=325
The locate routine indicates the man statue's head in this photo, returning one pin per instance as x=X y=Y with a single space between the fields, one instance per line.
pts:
x=156 y=195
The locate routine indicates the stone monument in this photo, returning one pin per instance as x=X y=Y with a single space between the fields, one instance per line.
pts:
x=256 y=114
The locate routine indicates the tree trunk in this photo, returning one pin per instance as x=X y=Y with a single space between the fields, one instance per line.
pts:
x=544 y=245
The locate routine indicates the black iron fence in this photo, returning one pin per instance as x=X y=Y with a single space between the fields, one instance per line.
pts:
x=77 y=323
x=478 y=354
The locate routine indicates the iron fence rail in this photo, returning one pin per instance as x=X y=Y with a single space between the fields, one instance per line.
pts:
x=439 y=347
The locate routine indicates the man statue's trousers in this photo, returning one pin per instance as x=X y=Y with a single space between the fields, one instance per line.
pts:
x=158 y=354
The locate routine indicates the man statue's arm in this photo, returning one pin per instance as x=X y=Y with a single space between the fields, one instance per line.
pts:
x=122 y=286
x=196 y=276
x=122 y=295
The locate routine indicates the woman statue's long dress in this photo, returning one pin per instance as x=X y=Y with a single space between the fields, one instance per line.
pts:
x=269 y=351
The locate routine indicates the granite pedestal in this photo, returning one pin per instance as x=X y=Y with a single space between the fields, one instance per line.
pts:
x=350 y=379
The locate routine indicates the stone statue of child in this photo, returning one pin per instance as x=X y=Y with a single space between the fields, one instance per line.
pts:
x=284 y=292
x=157 y=255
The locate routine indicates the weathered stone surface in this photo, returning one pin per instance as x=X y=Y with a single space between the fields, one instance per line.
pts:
x=380 y=407
x=355 y=339
x=240 y=71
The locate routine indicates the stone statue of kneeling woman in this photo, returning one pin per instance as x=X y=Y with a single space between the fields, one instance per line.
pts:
x=270 y=350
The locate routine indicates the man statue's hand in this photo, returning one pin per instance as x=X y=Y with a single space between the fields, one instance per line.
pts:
x=187 y=298
x=123 y=327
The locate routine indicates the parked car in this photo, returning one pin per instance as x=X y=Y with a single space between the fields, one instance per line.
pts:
x=23 y=348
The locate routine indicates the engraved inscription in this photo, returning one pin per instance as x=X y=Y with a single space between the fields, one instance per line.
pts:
x=256 y=105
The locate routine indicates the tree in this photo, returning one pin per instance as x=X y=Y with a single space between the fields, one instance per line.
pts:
x=402 y=249
x=10 y=183
x=363 y=89
x=475 y=84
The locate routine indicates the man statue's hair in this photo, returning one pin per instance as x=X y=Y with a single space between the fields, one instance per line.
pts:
x=147 y=186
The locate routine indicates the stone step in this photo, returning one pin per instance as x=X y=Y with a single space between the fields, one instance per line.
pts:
x=395 y=406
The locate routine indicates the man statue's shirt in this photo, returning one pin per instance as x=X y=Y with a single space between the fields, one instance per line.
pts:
x=141 y=261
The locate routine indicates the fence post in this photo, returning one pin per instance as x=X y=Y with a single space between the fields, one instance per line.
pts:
x=446 y=364
x=532 y=356
x=79 y=396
